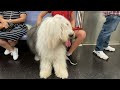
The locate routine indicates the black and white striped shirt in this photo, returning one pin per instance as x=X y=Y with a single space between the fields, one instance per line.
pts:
x=11 y=14
x=17 y=31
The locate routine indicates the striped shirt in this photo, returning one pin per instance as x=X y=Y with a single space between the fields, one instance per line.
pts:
x=14 y=31
x=106 y=13
x=13 y=15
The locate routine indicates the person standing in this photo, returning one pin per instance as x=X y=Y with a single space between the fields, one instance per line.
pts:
x=110 y=25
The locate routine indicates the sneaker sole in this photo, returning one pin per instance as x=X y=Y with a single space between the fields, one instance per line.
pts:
x=109 y=50
x=100 y=57
x=74 y=64
x=18 y=55
x=6 y=54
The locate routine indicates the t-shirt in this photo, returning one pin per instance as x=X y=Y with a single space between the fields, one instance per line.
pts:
x=66 y=14
x=11 y=14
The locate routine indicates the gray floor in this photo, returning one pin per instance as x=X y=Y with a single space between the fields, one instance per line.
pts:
x=89 y=66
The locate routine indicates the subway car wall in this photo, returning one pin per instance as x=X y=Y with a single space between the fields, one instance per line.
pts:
x=92 y=24
x=93 y=21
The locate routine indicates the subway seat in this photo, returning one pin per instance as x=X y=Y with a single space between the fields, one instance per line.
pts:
x=30 y=21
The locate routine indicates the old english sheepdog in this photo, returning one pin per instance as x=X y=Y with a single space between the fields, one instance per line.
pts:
x=47 y=42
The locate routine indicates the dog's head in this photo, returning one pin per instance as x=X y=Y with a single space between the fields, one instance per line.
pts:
x=55 y=30
x=64 y=28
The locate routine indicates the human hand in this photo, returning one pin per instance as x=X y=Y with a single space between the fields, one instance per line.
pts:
x=5 y=24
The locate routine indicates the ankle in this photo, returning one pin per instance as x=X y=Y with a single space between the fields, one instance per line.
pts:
x=68 y=53
x=13 y=49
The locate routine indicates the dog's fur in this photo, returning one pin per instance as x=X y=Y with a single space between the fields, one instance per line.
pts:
x=47 y=42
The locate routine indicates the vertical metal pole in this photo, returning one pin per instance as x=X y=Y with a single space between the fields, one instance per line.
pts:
x=80 y=20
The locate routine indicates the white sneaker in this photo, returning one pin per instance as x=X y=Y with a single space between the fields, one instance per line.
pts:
x=109 y=48
x=101 y=54
x=36 y=58
x=15 y=53
x=7 y=52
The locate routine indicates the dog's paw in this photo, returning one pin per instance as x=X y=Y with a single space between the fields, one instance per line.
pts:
x=44 y=74
x=62 y=74
x=36 y=58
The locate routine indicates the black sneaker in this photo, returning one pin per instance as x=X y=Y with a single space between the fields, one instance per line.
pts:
x=71 y=60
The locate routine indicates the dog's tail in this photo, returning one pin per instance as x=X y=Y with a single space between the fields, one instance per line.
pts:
x=31 y=38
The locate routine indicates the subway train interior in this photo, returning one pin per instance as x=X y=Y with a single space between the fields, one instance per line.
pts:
x=89 y=65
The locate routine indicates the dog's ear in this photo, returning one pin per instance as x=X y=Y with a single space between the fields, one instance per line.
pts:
x=53 y=32
x=64 y=32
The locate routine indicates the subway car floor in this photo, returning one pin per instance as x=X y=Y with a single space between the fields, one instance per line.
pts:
x=89 y=66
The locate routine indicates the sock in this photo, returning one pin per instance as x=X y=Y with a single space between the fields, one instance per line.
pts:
x=68 y=54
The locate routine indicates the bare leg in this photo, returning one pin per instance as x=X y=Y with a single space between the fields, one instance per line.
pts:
x=60 y=67
x=80 y=34
x=6 y=45
x=15 y=53
x=45 y=68
x=12 y=43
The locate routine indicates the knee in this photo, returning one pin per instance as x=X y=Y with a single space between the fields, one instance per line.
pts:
x=12 y=42
x=82 y=34
x=2 y=42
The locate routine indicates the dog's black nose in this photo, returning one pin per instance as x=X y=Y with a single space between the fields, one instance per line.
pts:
x=70 y=35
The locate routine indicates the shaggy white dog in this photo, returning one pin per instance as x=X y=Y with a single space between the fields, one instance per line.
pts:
x=50 y=45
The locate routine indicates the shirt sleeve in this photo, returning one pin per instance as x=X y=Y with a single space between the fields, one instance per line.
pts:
x=106 y=13
x=1 y=13
x=23 y=12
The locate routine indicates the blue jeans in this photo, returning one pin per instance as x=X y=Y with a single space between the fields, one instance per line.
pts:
x=109 y=26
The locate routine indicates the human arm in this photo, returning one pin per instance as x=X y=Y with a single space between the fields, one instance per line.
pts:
x=21 y=19
x=40 y=17
x=72 y=20
x=3 y=23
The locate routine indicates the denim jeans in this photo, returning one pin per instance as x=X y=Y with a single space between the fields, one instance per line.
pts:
x=109 y=26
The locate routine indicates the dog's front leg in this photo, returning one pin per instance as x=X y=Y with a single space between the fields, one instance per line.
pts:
x=60 y=67
x=45 y=68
